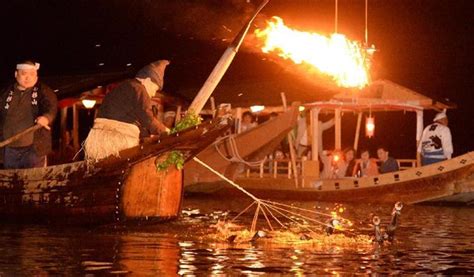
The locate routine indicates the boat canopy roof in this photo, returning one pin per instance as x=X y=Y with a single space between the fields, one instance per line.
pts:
x=381 y=95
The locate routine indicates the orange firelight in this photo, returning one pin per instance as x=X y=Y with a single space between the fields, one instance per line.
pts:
x=347 y=62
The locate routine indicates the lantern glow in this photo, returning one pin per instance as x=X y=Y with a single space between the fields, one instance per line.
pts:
x=369 y=126
x=257 y=108
x=88 y=103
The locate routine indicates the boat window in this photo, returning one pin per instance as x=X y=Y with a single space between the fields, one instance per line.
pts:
x=396 y=177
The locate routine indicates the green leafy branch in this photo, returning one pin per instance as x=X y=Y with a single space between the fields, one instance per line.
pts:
x=174 y=158
x=177 y=157
x=189 y=120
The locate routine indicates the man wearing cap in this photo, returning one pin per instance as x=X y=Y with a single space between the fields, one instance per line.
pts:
x=436 y=144
x=124 y=111
x=23 y=104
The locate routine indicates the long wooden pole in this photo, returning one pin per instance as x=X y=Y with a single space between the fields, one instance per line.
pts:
x=419 y=132
x=19 y=135
x=314 y=117
x=357 y=132
x=338 y=129
x=213 y=107
x=291 y=144
x=75 y=127
x=222 y=65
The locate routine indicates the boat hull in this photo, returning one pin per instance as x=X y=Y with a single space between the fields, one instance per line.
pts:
x=252 y=145
x=450 y=181
x=127 y=188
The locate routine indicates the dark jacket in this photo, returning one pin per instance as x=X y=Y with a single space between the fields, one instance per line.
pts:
x=44 y=104
x=390 y=165
x=130 y=103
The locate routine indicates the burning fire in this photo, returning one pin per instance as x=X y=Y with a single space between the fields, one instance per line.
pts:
x=346 y=61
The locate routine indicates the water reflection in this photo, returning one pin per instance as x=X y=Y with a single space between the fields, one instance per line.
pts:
x=430 y=240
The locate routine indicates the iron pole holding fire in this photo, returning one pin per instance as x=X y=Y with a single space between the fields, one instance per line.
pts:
x=221 y=66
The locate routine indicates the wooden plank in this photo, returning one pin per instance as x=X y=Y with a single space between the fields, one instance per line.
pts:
x=149 y=192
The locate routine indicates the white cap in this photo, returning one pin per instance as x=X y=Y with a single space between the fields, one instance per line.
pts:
x=440 y=115
x=27 y=66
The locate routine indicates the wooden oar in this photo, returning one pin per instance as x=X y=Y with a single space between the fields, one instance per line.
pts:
x=19 y=135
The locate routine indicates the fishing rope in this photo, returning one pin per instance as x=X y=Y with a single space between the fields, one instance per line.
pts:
x=296 y=208
x=303 y=217
x=234 y=152
x=269 y=205
x=242 y=212
x=226 y=179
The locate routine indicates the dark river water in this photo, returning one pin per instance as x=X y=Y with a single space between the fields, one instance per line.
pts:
x=429 y=240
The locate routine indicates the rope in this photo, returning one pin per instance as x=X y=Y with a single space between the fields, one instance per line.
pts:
x=296 y=208
x=269 y=205
x=226 y=179
x=235 y=155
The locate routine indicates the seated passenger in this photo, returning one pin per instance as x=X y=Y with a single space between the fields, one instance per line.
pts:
x=388 y=164
x=333 y=164
x=366 y=166
x=348 y=163
x=248 y=121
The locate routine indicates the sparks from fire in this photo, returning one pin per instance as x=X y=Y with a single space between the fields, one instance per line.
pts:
x=346 y=61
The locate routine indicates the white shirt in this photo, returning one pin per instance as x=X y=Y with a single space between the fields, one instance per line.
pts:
x=436 y=141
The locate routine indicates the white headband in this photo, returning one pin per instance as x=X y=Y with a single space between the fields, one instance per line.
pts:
x=27 y=66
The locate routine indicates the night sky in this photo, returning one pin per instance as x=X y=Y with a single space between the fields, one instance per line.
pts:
x=425 y=45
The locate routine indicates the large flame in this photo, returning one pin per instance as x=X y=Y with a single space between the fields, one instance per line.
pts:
x=347 y=62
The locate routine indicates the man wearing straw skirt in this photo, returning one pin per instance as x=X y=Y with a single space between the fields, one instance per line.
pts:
x=124 y=111
x=22 y=105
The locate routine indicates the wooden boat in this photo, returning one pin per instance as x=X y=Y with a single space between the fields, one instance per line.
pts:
x=116 y=189
x=448 y=182
x=252 y=145
x=113 y=190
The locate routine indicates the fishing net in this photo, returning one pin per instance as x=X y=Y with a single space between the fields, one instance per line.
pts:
x=275 y=222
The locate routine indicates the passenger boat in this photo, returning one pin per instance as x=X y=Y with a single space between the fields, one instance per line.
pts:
x=115 y=189
x=227 y=155
x=450 y=181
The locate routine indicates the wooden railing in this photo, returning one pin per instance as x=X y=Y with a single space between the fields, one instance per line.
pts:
x=273 y=168
x=282 y=168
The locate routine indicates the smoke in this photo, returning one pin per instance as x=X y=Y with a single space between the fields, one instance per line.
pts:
x=211 y=20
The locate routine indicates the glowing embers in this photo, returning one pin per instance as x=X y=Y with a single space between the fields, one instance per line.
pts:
x=346 y=61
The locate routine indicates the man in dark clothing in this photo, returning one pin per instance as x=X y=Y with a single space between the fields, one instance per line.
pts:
x=130 y=103
x=125 y=111
x=23 y=104
x=388 y=164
